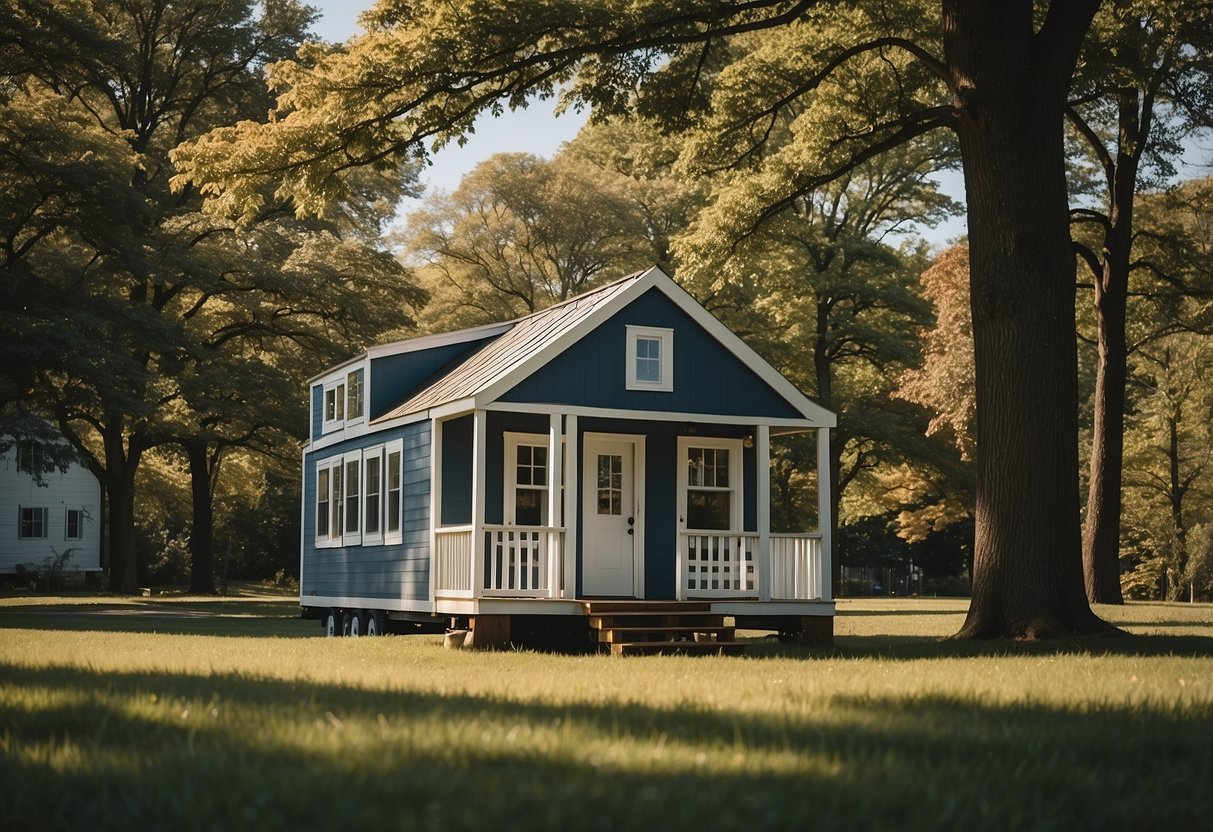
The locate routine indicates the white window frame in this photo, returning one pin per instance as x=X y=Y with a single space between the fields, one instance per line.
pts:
x=665 y=337
x=44 y=522
x=358 y=374
x=373 y=453
x=509 y=508
x=736 y=478
x=67 y=526
x=336 y=503
x=335 y=389
x=352 y=536
x=391 y=537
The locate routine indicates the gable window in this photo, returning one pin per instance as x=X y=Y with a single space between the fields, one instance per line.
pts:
x=650 y=358
x=73 y=524
x=33 y=522
x=353 y=395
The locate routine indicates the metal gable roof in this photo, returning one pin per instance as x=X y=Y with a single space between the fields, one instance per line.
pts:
x=524 y=338
x=527 y=342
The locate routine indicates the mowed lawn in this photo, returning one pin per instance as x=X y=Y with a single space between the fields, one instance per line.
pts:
x=204 y=714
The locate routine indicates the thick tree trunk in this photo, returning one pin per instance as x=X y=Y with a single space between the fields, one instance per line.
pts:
x=1101 y=531
x=822 y=371
x=202 y=531
x=1011 y=83
x=121 y=462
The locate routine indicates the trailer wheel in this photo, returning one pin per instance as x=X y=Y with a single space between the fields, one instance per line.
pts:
x=345 y=623
x=357 y=623
x=332 y=624
x=374 y=623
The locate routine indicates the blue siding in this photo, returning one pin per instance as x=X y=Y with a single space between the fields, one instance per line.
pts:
x=395 y=377
x=317 y=410
x=388 y=572
x=457 y=471
x=661 y=493
x=707 y=377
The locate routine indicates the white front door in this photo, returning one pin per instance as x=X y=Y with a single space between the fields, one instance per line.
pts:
x=612 y=528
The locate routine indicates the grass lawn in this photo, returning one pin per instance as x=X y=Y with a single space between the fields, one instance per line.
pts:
x=192 y=713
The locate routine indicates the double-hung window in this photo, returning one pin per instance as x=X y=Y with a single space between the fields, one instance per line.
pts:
x=30 y=457
x=334 y=405
x=527 y=479
x=32 y=522
x=354 y=395
x=359 y=497
x=394 y=482
x=711 y=483
x=73 y=524
x=650 y=359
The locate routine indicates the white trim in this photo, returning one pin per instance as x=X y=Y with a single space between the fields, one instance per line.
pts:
x=572 y=488
x=303 y=510
x=823 y=513
x=736 y=478
x=762 y=464
x=792 y=425
x=665 y=376
x=511 y=440
x=361 y=429
x=479 y=439
x=352 y=537
x=443 y=339
x=350 y=421
x=556 y=479
x=637 y=441
x=374 y=452
x=327 y=463
x=393 y=538
x=358 y=602
x=336 y=423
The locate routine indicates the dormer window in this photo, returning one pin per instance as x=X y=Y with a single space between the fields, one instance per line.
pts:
x=650 y=359
x=334 y=404
x=344 y=400
x=353 y=386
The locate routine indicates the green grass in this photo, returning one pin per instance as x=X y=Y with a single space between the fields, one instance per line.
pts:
x=193 y=713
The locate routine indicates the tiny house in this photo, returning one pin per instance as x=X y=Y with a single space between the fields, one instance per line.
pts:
x=610 y=452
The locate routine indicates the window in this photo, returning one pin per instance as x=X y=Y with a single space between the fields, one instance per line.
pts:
x=73 y=524
x=322 y=503
x=352 y=512
x=394 y=479
x=33 y=522
x=334 y=405
x=30 y=457
x=712 y=483
x=354 y=386
x=372 y=464
x=337 y=512
x=610 y=484
x=650 y=359
x=527 y=480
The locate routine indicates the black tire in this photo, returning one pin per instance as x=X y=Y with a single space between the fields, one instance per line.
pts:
x=375 y=621
x=357 y=624
x=345 y=623
x=331 y=623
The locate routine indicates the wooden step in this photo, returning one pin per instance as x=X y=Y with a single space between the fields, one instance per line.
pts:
x=650 y=621
x=602 y=607
x=694 y=648
x=622 y=634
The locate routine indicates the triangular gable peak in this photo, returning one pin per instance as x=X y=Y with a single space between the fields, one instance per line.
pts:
x=526 y=363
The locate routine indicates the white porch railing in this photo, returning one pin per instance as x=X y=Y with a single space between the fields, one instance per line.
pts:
x=719 y=564
x=453 y=561
x=796 y=566
x=519 y=561
x=728 y=564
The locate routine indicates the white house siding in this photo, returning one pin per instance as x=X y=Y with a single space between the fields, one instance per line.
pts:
x=75 y=488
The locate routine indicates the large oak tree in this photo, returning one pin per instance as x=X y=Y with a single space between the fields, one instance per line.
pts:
x=996 y=74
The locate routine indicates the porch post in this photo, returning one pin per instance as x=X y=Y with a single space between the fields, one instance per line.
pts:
x=555 y=467
x=435 y=501
x=823 y=513
x=571 y=490
x=762 y=448
x=479 y=444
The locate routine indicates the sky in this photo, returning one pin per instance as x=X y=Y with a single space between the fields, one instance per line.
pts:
x=533 y=130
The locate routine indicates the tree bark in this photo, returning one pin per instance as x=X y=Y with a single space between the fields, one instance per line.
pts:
x=1101 y=530
x=1011 y=84
x=121 y=463
x=202 y=531
x=823 y=375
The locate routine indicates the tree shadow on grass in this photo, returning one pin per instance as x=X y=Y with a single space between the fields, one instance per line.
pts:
x=910 y=648
x=216 y=618
x=85 y=748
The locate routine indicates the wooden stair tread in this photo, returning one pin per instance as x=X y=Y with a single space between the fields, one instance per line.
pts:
x=730 y=648
x=668 y=635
